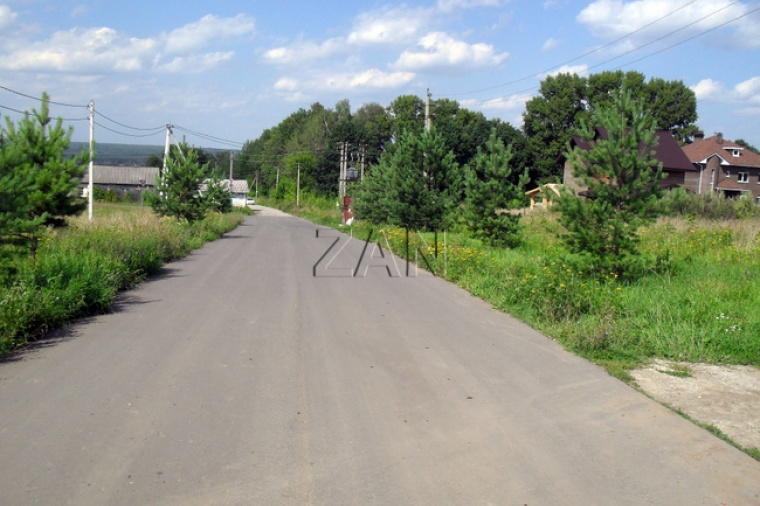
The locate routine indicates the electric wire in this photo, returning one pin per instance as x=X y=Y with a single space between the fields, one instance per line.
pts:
x=11 y=109
x=595 y=50
x=209 y=137
x=38 y=99
x=124 y=133
x=704 y=32
x=158 y=128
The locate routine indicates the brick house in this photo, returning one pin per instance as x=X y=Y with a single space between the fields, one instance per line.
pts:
x=680 y=172
x=725 y=167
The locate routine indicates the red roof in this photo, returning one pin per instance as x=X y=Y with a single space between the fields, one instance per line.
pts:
x=667 y=151
x=701 y=150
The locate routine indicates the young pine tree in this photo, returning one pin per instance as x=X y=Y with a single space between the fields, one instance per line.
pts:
x=426 y=181
x=490 y=192
x=178 y=187
x=217 y=196
x=38 y=184
x=622 y=176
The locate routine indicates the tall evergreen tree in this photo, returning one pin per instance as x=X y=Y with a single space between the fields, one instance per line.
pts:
x=427 y=182
x=490 y=192
x=178 y=187
x=622 y=176
x=38 y=184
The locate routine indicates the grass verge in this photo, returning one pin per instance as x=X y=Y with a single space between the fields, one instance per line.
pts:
x=79 y=270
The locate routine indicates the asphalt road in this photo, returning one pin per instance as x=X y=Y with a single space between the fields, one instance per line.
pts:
x=238 y=377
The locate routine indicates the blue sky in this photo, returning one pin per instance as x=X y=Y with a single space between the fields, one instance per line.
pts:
x=230 y=69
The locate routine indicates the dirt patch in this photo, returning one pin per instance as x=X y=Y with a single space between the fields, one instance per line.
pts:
x=727 y=397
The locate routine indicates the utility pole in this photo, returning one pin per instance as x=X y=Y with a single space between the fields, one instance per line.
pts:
x=343 y=167
x=232 y=161
x=166 y=152
x=428 y=119
x=90 y=185
x=298 y=185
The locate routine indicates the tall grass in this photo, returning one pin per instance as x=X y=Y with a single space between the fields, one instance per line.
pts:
x=79 y=270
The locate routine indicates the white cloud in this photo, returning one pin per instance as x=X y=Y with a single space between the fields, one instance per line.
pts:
x=569 y=69
x=286 y=84
x=400 y=25
x=450 y=5
x=304 y=51
x=81 y=50
x=707 y=88
x=7 y=17
x=746 y=93
x=194 y=64
x=551 y=43
x=107 y=50
x=508 y=108
x=439 y=50
x=198 y=35
x=749 y=89
x=374 y=78
x=612 y=19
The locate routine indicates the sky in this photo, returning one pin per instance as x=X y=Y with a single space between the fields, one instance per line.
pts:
x=222 y=72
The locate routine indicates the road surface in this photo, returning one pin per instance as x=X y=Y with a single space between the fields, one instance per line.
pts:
x=242 y=375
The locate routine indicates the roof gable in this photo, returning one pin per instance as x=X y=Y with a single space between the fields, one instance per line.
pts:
x=668 y=151
x=702 y=150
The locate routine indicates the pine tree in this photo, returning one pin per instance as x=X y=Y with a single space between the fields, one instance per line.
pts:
x=38 y=185
x=622 y=176
x=178 y=187
x=490 y=192
x=218 y=197
x=427 y=182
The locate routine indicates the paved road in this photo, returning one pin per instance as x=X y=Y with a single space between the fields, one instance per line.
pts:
x=238 y=377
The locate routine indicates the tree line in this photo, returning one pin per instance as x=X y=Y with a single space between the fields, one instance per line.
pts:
x=311 y=138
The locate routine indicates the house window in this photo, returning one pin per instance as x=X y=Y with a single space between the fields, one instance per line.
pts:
x=737 y=152
x=728 y=173
x=743 y=177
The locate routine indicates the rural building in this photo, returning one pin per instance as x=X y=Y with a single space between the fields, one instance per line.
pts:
x=239 y=190
x=679 y=170
x=122 y=180
x=725 y=167
x=546 y=193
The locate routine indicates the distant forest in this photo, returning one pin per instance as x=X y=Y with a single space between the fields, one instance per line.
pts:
x=123 y=154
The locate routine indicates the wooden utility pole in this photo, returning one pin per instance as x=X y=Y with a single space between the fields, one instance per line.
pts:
x=90 y=184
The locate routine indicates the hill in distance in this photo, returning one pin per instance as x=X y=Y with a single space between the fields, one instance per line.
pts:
x=124 y=154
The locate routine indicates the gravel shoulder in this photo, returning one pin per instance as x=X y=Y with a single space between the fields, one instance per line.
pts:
x=727 y=397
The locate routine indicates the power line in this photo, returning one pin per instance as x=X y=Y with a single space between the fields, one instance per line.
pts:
x=209 y=137
x=546 y=71
x=154 y=129
x=11 y=109
x=38 y=99
x=704 y=32
x=126 y=134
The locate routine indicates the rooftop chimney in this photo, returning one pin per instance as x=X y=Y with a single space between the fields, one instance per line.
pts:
x=719 y=137
x=699 y=135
